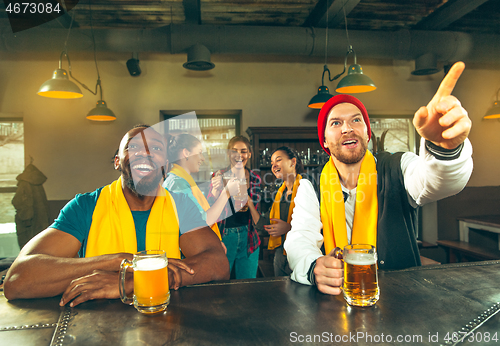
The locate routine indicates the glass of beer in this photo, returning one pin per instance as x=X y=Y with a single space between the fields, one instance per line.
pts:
x=151 y=291
x=241 y=198
x=360 y=275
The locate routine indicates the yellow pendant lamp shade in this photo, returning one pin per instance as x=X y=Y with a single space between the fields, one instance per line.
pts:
x=493 y=112
x=101 y=112
x=59 y=86
x=355 y=81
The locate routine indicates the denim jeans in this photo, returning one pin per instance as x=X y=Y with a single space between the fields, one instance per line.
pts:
x=280 y=263
x=236 y=240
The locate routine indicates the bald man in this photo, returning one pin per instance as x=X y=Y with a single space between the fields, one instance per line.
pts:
x=79 y=255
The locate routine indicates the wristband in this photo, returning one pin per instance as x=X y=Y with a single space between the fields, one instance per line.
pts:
x=442 y=153
x=310 y=274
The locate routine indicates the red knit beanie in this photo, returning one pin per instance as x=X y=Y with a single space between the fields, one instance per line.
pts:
x=327 y=107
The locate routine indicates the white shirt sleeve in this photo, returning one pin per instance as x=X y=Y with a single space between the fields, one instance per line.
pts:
x=428 y=179
x=304 y=240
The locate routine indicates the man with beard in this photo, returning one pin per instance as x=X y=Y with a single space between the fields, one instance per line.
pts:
x=356 y=198
x=79 y=255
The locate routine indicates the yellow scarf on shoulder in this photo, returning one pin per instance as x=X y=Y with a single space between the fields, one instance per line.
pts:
x=333 y=209
x=181 y=172
x=113 y=228
x=274 y=242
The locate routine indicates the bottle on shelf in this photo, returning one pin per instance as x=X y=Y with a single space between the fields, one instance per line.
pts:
x=315 y=158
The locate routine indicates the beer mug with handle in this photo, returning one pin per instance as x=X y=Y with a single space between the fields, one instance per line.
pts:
x=151 y=291
x=360 y=274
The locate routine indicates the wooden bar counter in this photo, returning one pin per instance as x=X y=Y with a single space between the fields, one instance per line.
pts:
x=418 y=306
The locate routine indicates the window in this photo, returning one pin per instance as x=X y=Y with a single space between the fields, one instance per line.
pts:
x=213 y=128
x=11 y=165
x=392 y=134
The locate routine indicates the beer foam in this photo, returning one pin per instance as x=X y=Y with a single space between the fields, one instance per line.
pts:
x=150 y=264
x=360 y=259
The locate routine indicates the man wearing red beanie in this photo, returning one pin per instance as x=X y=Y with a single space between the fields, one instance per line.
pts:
x=359 y=198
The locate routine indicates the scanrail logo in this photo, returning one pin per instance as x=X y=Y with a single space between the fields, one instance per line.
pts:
x=26 y=14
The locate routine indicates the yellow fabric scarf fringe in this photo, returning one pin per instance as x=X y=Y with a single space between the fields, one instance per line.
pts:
x=113 y=228
x=333 y=209
x=181 y=172
x=274 y=242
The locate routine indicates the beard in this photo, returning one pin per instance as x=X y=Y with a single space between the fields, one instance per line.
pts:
x=350 y=156
x=146 y=186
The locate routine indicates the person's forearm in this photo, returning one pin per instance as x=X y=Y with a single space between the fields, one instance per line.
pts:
x=39 y=275
x=430 y=177
x=303 y=242
x=208 y=266
x=213 y=194
x=216 y=209
x=253 y=212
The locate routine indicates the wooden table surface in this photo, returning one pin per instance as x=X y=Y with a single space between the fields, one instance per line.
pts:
x=418 y=306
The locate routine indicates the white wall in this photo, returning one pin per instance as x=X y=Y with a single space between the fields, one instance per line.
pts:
x=75 y=154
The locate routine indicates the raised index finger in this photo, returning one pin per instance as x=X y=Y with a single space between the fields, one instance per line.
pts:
x=450 y=80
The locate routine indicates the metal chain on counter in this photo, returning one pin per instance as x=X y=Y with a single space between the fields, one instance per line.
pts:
x=27 y=326
x=62 y=326
x=474 y=325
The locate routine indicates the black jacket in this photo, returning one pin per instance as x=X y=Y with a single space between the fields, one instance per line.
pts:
x=397 y=220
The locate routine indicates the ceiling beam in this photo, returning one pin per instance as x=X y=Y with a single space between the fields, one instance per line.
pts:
x=447 y=14
x=317 y=18
x=65 y=21
x=192 y=11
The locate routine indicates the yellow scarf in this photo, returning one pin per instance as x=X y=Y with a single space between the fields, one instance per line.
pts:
x=181 y=172
x=113 y=228
x=274 y=242
x=333 y=209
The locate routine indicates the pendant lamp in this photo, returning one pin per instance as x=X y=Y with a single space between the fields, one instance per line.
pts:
x=355 y=81
x=101 y=112
x=494 y=111
x=59 y=86
x=323 y=95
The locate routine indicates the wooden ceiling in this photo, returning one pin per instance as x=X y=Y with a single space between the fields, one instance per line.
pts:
x=471 y=16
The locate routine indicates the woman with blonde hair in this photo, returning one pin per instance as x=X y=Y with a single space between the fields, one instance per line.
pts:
x=235 y=224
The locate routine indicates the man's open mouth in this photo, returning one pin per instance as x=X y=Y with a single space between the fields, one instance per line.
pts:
x=143 y=168
x=350 y=143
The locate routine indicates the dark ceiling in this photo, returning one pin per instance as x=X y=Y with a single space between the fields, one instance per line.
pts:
x=471 y=16
x=448 y=30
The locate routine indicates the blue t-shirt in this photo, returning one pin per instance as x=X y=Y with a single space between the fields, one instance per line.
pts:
x=176 y=184
x=76 y=218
